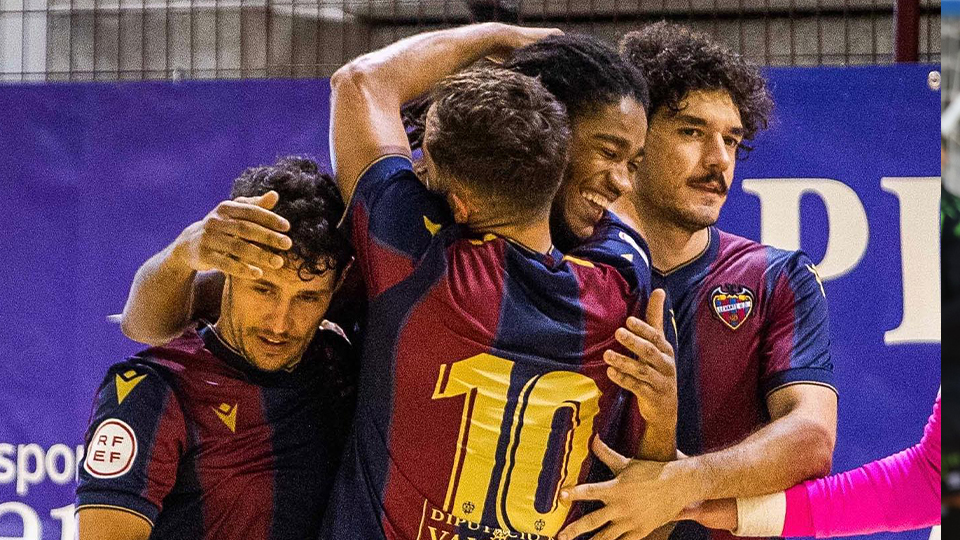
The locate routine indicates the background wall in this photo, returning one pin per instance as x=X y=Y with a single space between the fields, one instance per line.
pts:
x=164 y=39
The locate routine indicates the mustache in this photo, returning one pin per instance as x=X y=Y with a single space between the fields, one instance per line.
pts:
x=711 y=182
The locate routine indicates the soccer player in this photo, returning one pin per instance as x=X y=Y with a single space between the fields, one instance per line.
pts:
x=757 y=409
x=483 y=374
x=897 y=493
x=232 y=430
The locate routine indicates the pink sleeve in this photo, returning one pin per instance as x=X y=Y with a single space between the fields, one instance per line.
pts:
x=897 y=493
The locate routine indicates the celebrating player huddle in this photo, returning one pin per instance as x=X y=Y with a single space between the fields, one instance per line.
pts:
x=510 y=347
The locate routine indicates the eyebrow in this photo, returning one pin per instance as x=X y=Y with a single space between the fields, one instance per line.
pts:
x=700 y=122
x=614 y=139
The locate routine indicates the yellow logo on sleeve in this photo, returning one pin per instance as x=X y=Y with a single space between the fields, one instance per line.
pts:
x=431 y=226
x=126 y=382
x=227 y=414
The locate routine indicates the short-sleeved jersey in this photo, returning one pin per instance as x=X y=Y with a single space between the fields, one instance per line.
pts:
x=750 y=319
x=203 y=445
x=482 y=379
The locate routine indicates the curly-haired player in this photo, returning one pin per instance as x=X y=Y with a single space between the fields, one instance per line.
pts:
x=757 y=409
x=233 y=429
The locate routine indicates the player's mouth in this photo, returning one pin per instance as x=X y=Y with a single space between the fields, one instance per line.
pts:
x=711 y=184
x=596 y=201
x=272 y=343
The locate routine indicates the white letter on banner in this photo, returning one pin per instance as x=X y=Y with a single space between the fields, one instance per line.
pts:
x=780 y=219
x=7 y=467
x=64 y=475
x=919 y=199
x=29 y=518
x=26 y=477
x=68 y=521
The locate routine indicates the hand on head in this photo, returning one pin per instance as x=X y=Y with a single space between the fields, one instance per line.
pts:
x=240 y=237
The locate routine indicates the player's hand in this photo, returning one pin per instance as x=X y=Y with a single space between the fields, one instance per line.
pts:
x=512 y=37
x=239 y=237
x=650 y=373
x=644 y=496
x=719 y=514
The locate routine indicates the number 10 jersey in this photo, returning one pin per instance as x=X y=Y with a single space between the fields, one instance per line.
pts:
x=482 y=379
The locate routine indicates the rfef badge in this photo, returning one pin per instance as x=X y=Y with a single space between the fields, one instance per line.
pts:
x=732 y=304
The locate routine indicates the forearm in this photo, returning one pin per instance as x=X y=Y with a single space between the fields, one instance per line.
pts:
x=159 y=304
x=659 y=442
x=368 y=92
x=406 y=69
x=781 y=454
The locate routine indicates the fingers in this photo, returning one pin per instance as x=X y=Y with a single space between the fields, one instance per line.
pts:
x=653 y=334
x=241 y=210
x=248 y=231
x=655 y=308
x=230 y=266
x=609 y=457
x=646 y=352
x=587 y=523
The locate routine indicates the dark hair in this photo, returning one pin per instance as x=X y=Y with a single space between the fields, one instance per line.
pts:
x=501 y=134
x=581 y=71
x=676 y=61
x=311 y=202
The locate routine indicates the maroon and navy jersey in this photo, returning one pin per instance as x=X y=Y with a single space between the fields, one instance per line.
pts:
x=202 y=445
x=482 y=380
x=751 y=319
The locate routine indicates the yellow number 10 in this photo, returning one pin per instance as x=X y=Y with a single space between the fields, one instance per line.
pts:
x=484 y=380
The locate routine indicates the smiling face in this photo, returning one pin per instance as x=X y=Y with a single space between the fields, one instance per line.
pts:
x=605 y=152
x=688 y=169
x=272 y=320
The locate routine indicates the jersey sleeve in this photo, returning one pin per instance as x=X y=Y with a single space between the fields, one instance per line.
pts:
x=897 y=493
x=134 y=443
x=391 y=221
x=796 y=347
x=616 y=244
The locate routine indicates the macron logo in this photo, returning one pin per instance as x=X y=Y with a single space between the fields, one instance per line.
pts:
x=633 y=243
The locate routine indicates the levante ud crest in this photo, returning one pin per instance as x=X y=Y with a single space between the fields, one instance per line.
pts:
x=732 y=304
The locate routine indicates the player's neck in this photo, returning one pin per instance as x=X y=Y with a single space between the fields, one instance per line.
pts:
x=535 y=235
x=671 y=245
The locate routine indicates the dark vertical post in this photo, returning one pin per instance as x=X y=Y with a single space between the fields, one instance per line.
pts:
x=906 y=18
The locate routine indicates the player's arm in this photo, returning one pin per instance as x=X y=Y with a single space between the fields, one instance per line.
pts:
x=112 y=524
x=368 y=92
x=239 y=237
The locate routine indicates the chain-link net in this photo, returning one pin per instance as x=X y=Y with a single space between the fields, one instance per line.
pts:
x=162 y=39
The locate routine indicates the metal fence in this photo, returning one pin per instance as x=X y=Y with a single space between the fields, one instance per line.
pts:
x=160 y=39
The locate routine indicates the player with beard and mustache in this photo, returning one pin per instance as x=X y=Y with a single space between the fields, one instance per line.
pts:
x=757 y=408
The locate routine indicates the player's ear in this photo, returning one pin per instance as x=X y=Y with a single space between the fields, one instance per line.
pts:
x=461 y=208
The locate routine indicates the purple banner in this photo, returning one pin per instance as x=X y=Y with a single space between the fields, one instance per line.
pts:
x=98 y=177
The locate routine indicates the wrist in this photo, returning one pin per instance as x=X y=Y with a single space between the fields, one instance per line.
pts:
x=690 y=475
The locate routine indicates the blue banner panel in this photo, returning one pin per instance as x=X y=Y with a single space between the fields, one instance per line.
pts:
x=98 y=177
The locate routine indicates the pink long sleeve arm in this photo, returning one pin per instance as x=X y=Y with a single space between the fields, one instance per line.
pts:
x=896 y=493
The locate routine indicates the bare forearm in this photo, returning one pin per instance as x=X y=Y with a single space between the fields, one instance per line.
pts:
x=411 y=66
x=781 y=454
x=367 y=93
x=158 y=306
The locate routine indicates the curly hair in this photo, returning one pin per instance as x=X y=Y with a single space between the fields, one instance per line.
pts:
x=501 y=134
x=311 y=202
x=676 y=61
x=581 y=71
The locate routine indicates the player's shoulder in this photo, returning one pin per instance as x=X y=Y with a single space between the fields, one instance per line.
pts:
x=387 y=167
x=163 y=367
x=770 y=259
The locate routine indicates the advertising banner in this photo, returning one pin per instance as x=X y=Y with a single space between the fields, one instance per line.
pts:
x=95 y=178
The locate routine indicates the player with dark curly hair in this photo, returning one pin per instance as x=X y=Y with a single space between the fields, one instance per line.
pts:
x=757 y=408
x=606 y=100
x=233 y=429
